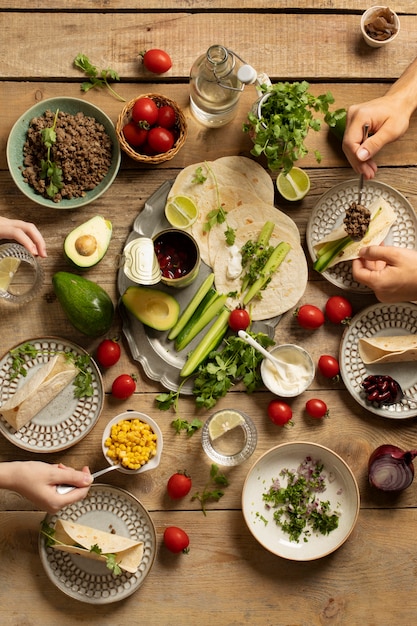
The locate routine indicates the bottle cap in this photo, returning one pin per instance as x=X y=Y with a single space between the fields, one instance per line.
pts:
x=247 y=74
x=140 y=262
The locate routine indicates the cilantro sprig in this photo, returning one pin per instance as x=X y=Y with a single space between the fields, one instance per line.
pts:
x=287 y=116
x=97 y=78
x=83 y=382
x=210 y=494
x=50 y=171
x=218 y=215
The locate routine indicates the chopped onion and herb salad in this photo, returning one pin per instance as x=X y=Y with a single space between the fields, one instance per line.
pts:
x=299 y=510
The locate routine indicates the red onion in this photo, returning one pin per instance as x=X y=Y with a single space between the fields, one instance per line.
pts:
x=390 y=468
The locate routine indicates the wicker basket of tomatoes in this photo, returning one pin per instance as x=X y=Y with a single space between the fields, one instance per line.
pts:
x=151 y=129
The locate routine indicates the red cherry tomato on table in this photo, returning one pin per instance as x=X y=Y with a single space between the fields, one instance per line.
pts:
x=309 y=316
x=108 y=352
x=134 y=135
x=329 y=366
x=145 y=110
x=166 y=116
x=179 y=485
x=157 y=61
x=280 y=413
x=160 y=139
x=176 y=539
x=338 y=310
x=316 y=408
x=239 y=319
x=123 y=386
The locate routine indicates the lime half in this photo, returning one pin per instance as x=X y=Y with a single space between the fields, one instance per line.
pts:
x=294 y=185
x=223 y=421
x=181 y=211
x=8 y=268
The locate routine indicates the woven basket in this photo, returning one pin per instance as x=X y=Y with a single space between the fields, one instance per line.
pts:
x=180 y=126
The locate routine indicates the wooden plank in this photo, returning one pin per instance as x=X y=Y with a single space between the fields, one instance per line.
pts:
x=331 y=44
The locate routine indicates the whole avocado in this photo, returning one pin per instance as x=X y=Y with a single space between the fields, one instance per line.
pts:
x=87 y=305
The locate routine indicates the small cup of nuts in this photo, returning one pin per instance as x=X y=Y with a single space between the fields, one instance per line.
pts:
x=133 y=441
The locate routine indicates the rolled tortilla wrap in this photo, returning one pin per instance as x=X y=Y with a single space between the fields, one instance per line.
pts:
x=394 y=349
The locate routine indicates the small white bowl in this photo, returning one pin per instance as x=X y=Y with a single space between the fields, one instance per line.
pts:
x=132 y=415
x=298 y=380
x=374 y=43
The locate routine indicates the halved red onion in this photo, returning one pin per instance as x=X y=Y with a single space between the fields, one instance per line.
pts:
x=390 y=468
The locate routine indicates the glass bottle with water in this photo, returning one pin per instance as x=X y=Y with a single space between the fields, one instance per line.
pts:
x=216 y=84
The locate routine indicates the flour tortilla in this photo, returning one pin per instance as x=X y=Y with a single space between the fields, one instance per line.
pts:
x=223 y=186
x=381 y=222
x=395 y=349
x=38 y=391
x=287 y=284
x=255 y=173
x=78 y=539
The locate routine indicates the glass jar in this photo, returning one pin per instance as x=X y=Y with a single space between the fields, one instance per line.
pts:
x=21 y=274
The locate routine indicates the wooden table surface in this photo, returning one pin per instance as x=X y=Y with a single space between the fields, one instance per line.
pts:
x=227 y=578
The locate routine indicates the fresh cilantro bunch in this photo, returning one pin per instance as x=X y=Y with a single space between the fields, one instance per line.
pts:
x=50 y=171
x=288 y=113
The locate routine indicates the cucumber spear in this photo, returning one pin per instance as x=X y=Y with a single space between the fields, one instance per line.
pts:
x=277 y=257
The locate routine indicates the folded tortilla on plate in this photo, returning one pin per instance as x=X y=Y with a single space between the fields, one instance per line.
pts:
x=79 y=539
x=394 y=349
x=40 y=389
x=383 y=217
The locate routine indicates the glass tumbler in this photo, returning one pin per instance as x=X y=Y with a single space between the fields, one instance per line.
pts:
x=21 y=275
x=234 y=445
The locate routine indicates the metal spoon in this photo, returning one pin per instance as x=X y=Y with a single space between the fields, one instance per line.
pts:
x=365 y=132
x=63 y=489
x=282 y=367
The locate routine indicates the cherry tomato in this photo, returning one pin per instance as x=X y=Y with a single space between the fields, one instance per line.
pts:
x=108 y=352
x=329 y=366
x=309 y=316
x=145 y=110
x=160 y=139
x=123 y=386
x=239 y=319
x=316 y=408
x=179 y=485
x=134 y=135
x=176 y=539
x=338 y=310
x=166 y=116
x=157 y=61
x=280 y=413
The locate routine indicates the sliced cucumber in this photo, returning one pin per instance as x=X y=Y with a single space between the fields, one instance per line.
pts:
x=192 y=306
x=199 y=324
x=208 y=343
x=274 y=261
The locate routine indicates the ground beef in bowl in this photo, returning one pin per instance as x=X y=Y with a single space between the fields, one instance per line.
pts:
x=83 y=151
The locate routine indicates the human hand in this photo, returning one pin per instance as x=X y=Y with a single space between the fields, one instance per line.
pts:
x=385 y=126
x=37 y=481
x=391 y=272
x=25 y=233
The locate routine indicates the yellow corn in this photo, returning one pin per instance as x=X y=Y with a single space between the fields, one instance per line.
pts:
x=131 y=443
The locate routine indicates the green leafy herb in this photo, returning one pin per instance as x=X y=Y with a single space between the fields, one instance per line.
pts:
x=287 y=116
x=189 y=427
x=209 y=494
x=111 y=562
x=96 y=77
x=218 y=215
x=83 y=382
x=50 y=171
x=199 y=178
x=49 y=533
x=299 y=509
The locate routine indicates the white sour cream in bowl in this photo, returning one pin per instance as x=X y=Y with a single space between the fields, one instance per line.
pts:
x=293 y=376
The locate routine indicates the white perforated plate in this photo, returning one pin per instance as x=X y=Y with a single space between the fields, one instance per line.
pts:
x=380 y=320
x=330 y=210
x=64 y=421
x=112 y=510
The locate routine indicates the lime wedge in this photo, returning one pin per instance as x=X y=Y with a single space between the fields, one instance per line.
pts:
x=294 y=185
x=8 y=268
x=223 y=421
x=181 y=212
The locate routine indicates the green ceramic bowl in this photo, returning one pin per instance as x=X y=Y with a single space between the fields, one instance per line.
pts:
x=17 y=139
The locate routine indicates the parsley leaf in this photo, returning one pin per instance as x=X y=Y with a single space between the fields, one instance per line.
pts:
x=50 y=171
x=96 y=78
x=190 y=428
x=212 y=495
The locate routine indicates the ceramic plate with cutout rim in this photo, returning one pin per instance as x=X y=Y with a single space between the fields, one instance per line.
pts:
x=66 y=419
x=342 y=492
x=109 y=509
x=330 y=210
x=380 y=320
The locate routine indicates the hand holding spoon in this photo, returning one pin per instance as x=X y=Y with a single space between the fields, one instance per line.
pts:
x=63 y=489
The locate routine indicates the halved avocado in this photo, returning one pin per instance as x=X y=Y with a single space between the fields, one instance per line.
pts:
x=87 y=244
x=152 y=307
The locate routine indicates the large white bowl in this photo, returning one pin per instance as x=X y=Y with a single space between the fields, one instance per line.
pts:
x=132 y=415
x=342 y=492
x=17 y=138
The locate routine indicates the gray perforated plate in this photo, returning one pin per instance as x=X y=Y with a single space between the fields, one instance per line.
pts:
x=66 y=419
x=109 y=509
